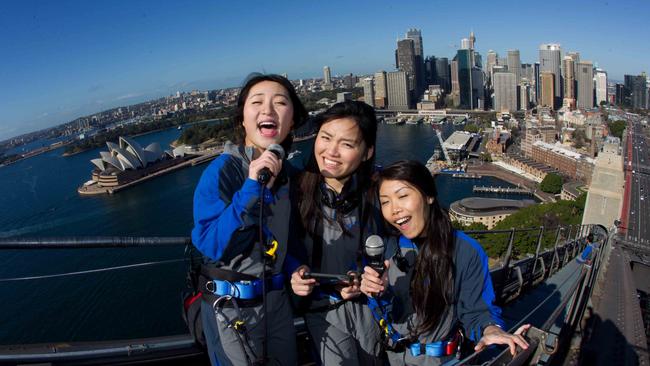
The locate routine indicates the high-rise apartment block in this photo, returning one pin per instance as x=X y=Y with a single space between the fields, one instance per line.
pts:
x=600 y=81
x=397 y=88
x=547 y=90
x=380 y=90
x=550 y=62
x=505 y=92
x=369 y=91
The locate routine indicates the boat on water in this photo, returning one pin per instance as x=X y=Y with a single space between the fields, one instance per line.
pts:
x=179 y=127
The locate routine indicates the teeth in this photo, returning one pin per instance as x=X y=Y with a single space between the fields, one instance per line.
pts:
x=402 y=220
x=267 y=124
x=329 y=162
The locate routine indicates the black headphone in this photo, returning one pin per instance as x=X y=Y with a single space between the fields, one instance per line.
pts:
x=401 y=262
x=344 y=202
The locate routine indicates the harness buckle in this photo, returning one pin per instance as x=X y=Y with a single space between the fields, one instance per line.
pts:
x=271 y=249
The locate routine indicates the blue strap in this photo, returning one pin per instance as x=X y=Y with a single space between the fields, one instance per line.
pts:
x=381 y=312
x=247 y=290
x=435 y=349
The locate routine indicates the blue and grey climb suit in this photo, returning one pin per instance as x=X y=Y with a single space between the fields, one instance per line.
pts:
x=226 y=232
x=473 y=308
x=345 y=334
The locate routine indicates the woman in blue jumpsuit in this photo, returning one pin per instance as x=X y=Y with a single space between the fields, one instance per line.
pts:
x=227 y=231
x=437 y=284
x=337 y=217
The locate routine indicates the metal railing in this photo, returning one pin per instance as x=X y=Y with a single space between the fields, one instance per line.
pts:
x=511 y=278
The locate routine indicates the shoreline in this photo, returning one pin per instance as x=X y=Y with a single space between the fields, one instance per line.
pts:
x=93 y=189
x=489 y=169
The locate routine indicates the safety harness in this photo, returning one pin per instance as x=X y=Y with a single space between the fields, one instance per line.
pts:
x=382 y=308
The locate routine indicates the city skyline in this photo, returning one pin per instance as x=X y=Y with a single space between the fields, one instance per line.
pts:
x=73 y=59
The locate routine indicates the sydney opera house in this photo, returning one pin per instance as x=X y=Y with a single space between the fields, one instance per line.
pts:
x=127 y=161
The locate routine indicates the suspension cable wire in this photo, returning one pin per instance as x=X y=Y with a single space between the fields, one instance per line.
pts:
x=96 y=270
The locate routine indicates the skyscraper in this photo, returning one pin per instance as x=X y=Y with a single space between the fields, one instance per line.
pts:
x=398 y=91
x=406 y=61
x=465 y=64
x=514 y=64
x=472 y=40
x=568 y=70
x=505 y=92
x=547 y=89
x=455 y=84
x=327 y=75
x=492 y=60
x=549 y=60
x=636 y=91
x=600 y=79
x=380 y=89
x=416 y=36
x=464 y=44
x=442 y=75
x=585 y=82
x=369 y=92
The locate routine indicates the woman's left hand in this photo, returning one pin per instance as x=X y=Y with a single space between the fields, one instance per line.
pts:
x=495 y=335
x=352 y=290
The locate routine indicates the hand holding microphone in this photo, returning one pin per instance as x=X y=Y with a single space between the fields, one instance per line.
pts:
x=267 y=166
x=375 y=276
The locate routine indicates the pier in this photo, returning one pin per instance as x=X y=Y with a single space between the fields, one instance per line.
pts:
x=467 y=176
x=495 y=189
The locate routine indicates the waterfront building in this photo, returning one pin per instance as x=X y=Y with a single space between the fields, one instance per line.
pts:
x=505 y=92
x=531 y=169
x=600 y=79
x=487 y=211
x=369 y=92
x=398 y=94
x=458 y=143
x=380 y=89
x=550 y=62
x=127 y=160
x=585 y=83
x=571 y=191
x=514 y=64
x=547 y=94
x=568 y=162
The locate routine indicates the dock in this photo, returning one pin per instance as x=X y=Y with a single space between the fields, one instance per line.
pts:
x=466 y=176
x=498 y=189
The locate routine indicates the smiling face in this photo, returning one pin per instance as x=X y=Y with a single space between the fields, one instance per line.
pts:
x=404 y=207
x=339 y=150
x=268 y=115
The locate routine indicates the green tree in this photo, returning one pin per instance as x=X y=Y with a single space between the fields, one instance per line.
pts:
x=579 y=138
x=471 y=128
x=616 y=128
x=552 y=183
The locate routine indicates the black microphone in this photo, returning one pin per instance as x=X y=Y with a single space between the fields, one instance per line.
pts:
x=264 y=175
x=374 y=251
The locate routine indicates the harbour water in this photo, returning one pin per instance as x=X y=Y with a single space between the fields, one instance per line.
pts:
x=39 y=199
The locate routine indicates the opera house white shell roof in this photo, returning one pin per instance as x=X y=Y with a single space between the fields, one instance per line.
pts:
x=128 y=154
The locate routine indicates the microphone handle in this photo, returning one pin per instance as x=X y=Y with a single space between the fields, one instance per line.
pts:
x=264 y=175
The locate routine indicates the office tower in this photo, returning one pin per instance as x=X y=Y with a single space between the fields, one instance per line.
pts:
x=465 y=64
x=442 y=75
x=600 y=79
x=380 y=89
x=620 y=94
x=549 y=60
x=514 y=64
x=499 y=68
x=547 y=89
x=536 y=82
x=636 y=91
x=369 y=92
x=575 y=56
x=492 y=60
x=478 y=88
x=397 y=88
x=472 y=40
x=406 y=61
x=524 y=96
x=327 y=75
x=505 y=92
x=455 y=85
x=416 y=36
x=429 y=70
x=464 y=44
x=568 y=70
x=585 y=84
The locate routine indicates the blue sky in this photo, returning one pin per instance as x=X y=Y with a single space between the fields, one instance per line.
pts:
x=64 y=59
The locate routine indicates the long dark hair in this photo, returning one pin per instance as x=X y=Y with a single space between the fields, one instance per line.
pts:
x=310 y=180
x=299 y=111
x=432 y=283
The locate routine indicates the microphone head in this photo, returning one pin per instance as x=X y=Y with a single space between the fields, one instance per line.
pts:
x=374 y=246
x=277 y=150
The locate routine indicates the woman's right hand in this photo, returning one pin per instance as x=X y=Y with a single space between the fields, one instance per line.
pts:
x=371 y=283
x=302 y=286
x=267 y=160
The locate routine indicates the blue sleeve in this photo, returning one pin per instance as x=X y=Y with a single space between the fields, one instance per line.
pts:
x=476 y=308
x=218 y=212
